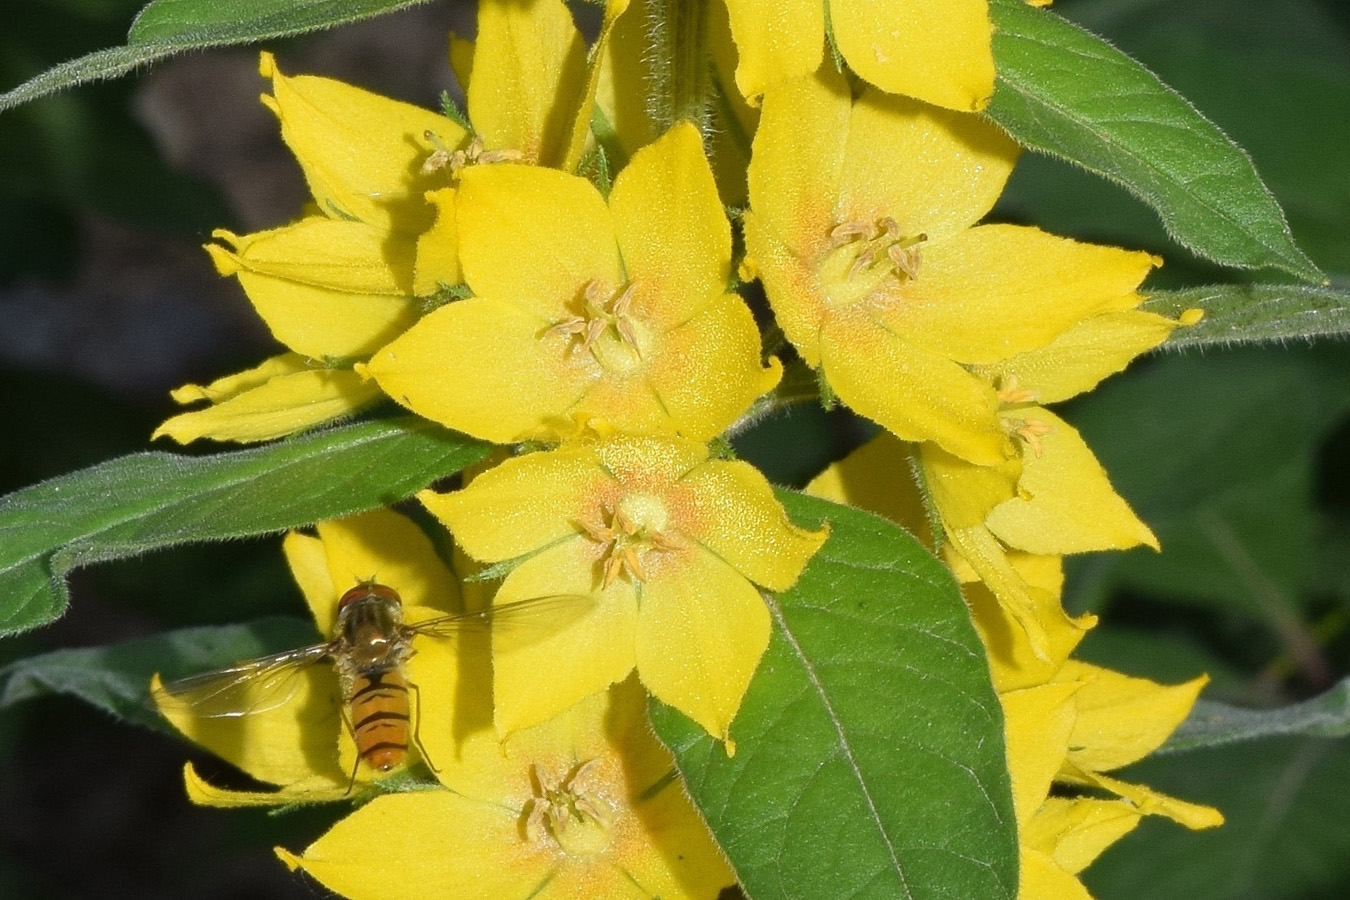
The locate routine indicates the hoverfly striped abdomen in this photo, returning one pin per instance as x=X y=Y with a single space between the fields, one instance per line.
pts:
x=380 y=717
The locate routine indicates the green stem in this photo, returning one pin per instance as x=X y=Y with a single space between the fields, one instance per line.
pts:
x=677 y=38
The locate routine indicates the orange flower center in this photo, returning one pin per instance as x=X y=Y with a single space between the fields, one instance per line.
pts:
x=628 y=534
x=865 y=256
x=567 y=812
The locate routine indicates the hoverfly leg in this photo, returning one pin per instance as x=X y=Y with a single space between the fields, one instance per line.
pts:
x=351 y=782
x=417 y=727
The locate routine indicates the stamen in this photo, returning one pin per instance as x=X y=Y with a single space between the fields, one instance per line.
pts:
x=1030 y=431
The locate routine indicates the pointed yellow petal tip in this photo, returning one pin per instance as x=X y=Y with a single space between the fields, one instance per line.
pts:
x=267 y=65
x=288 y=859
x=748 y=270
x=226 y=263
x=363 y=370
x=729 y=745
x=1191 y=316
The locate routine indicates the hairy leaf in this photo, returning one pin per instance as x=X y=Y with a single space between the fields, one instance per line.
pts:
x=869 y=749
x=1210 y=724
x=167 y=27
x=1068 y=93
x=127 y=506
x=1255 y=313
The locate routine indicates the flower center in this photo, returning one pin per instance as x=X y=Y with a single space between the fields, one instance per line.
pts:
x=604 y=312
x=456 y=160
x=863 y=256
x=627 y=534
x=565 y=813
x=1011 y=397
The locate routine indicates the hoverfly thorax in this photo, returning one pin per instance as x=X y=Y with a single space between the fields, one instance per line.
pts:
x=370 y=627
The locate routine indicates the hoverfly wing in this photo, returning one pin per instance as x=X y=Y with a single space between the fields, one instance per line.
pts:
x=253 y=686
x=519 y=623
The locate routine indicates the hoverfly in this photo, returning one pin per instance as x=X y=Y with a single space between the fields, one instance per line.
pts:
x=368 y=652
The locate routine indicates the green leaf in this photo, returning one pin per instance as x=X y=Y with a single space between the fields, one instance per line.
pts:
x=1211 y=724
x=116 y=678
x=127 y=506
x=1284 y=837
x=214 y=22
x=1217 y=454
x=167 y=27
x=869 y=749
x=1068 y=93
x=1255 y=313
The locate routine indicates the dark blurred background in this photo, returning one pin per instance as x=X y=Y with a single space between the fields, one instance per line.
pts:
x=1238 y=459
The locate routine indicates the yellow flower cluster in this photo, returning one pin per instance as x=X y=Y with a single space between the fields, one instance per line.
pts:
x=462 y=268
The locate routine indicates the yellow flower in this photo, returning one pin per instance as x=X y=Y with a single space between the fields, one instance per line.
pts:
x=673 y=546
x=582 y=310
x=587 y=805
x=938 y=51
x=861 y=229
x=337 y=284
x=293 y=734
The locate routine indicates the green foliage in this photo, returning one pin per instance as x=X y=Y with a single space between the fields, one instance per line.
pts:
x=1238 y=314
x=1221 y=467
x=128 y=506
x=116 y=678
x=1211 y=724
x=869 y=749
x=1067 y=92
x=168 y=27
x=1284 y=838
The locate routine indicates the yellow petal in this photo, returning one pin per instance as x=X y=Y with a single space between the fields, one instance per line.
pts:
x=522 y=504
x=964 y=493
x=438 y=247
x=669 y=222
x=1123 y=719
x=315 y=789
x=382 y=545
x=708 y=371
x=380 y=851
x=529 y=75
x=308 y=561
x=1079 y=358
x=312 y=318
x=534 y=236
x=990 y=561
x=776 y=41
x=350 y=257
x=745 y=526
x=362 y=154
x=915 y=395
x=1013 y=662
x=1038 y=721
x=1076 y=831
x=624 y=112
x=798 y=158
x=1066 y=503
x=733 y=120
x=537 y=676
x=584 y=110
x=1148 y=801
x=284 y=405
x=994 y=291
x=933 y=171
x=288 y=736
x=700 y=635
x=511 y=378
x=1040 y=878
x=879 y=478
x=938 y=51
x=228 y=385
